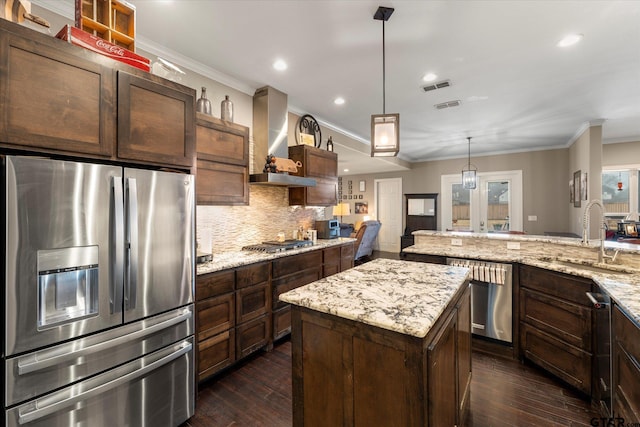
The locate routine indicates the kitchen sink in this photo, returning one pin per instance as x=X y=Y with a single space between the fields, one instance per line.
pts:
x=596 y=267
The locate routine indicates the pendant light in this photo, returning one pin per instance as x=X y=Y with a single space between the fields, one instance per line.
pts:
x=469 y=174
x=619 y=181
x=385 y=128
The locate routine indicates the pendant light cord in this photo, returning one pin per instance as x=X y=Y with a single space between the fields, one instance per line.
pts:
x=469 y=154
x=383 y=72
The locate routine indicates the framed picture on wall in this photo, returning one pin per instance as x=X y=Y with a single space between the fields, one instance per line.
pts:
x=577 y=192
x=583 y=186
x=362 y=207
x=362 y=185
x=571 y=191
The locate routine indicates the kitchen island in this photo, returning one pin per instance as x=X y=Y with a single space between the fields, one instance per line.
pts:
x=384 y=343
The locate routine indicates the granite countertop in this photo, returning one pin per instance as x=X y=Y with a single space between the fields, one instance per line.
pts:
x=402 y=296
x=623 y=286
x=225 y=260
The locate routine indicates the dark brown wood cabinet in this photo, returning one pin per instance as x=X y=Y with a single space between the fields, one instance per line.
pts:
x=347 y=254
x=222 y=162
x=626 y=362
x=321 y=165
x=350 y=373
x=336 y=259
x=556 y=324
x=156 y=120
x=62 y=99
x=53 y=98
x=233 y=316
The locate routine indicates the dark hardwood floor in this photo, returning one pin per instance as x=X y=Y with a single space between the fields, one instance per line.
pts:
x=504 y=392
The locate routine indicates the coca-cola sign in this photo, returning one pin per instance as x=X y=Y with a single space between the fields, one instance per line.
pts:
x=108 y=47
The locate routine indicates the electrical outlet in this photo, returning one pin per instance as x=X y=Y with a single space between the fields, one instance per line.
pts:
x=532 y=217
x=456 y=242
x=513 y=245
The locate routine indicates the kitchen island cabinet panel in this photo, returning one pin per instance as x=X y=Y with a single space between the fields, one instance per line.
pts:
x=53 y=100
x=560 y=285
x=626 y=362
x=441 y=368
x=156 y=122
x=464 y=352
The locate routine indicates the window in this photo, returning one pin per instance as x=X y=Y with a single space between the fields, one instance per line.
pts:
x=620 y=195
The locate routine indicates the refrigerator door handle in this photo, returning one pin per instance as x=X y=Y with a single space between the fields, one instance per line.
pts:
x=66 y=398
x=117 y=248
x=48 y=358
x=132 y=244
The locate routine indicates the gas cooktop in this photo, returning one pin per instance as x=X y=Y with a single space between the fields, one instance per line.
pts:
x=274 y=246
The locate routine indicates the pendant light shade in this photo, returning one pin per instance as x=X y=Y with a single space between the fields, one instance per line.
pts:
x=469 y=174
x=385 y=128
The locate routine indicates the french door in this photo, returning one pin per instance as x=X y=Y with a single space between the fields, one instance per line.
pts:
x=495 y=205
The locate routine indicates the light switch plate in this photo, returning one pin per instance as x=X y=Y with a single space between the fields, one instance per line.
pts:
x=532 y=217
x=513 y=245
x=456 y=242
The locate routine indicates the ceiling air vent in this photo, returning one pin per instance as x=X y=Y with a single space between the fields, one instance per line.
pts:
x=447 y=104
x=438 y=85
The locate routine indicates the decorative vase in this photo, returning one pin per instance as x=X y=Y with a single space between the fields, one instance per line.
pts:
x=226 y=109
x=203 y=105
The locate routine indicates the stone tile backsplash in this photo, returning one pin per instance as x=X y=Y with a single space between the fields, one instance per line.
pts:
x=229 y=228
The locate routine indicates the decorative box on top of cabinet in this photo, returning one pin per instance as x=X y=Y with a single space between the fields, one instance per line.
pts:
x=222 y=162
x=321 y=165
x=59 y=98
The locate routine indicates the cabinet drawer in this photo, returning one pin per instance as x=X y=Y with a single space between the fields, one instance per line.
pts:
x=296 y=263
x=220 y=141
x=213 y=284
x=567 y=321
x=252 y=275
x=294 y=281
x=331 y=255
x=281 y=322
x=569 y=288
x=215 y=315
x=567 y=362
x=252 y=302
x=221 y=184
x=253 y=335
x=216 y=353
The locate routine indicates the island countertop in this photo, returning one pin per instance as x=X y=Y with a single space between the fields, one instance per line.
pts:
x=402 y=296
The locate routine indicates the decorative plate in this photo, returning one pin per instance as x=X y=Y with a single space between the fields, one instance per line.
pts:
x=307 y=128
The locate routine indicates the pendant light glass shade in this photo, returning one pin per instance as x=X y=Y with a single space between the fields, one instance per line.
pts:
x=469 y=174
x=385 y=128
x=385 y=135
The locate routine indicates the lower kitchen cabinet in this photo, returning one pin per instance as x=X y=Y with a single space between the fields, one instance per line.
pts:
x=626 y=362
x=347 y=253
x=330 y=261
x=556 y=324
x=253 y=335
x=215 y=354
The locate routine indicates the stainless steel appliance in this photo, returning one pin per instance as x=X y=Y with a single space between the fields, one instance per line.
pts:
x=98 y=297
x=328 y=229
x=601 y=304
x=491 y=298
x=273 y=247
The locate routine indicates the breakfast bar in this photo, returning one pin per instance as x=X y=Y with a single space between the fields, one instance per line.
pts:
x=384 y=343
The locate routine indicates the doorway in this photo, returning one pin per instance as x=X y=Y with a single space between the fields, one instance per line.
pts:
x=495 y=205
x=388 y=204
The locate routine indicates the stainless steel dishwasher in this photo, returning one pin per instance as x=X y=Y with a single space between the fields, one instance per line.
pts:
x=491 y=298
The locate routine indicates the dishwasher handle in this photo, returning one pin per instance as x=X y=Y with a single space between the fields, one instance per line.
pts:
x=597 y=303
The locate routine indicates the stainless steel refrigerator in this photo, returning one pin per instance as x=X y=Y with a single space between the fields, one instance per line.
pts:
x=98 y=294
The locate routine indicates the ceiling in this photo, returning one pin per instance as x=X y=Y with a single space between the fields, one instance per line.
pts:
x=518 y=91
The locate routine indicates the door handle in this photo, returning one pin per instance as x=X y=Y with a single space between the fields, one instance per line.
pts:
x=117 y=245
x=131 y=281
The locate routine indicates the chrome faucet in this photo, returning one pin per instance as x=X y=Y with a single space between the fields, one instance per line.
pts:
x=602 y=256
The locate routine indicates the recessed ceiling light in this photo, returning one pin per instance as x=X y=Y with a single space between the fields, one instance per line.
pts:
x=429 y=77
x=345 y=170
x=280 y=65
x=570 y=40
x=339 y=100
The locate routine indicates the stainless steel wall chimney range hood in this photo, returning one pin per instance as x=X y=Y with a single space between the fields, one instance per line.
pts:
x=270 y=127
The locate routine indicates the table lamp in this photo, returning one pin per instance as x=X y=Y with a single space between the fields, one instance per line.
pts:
x=342 y=209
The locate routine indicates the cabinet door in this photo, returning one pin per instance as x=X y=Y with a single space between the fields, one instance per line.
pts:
x=252 y=302
x=215 y=315
x=330 y=261
x=626 y=363
x=315 y=161
x=221 y=184
x=463 y=336
x=281 y=322
x=156 y=121
x=253 y=335
x=441 y=368
x=325 y=193
x=53 y=99
x=346 y=256
x=221 y=142
x=213 y=284
x=216 y=353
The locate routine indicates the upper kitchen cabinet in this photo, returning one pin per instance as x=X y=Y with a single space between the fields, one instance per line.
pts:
x=52 y=97
x=156 y=120
x=321 y=165
x=222 y=162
